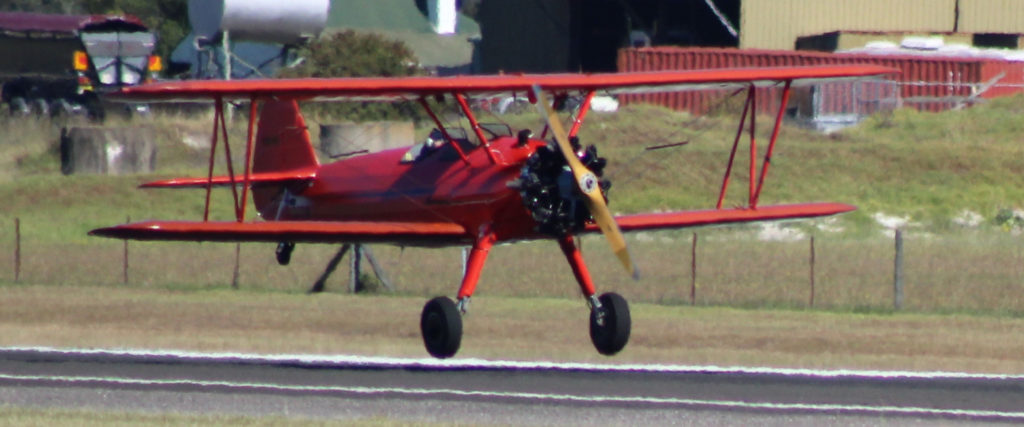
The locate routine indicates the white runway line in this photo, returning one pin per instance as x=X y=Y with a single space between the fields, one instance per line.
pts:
x=441 y=393
x=398 y=362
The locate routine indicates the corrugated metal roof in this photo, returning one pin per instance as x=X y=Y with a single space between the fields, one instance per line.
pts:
x=23 y=21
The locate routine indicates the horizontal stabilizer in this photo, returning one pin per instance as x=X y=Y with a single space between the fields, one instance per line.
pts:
x=683 y=219
x=399 y=233
x=217 y=181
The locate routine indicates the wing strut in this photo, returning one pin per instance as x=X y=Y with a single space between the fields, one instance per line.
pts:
x=476 y=127
x=248 y=156
x=771 y=144
x=218 y=117
x=582 y=113
x=444 y=130
x=756 y=181
x=732 y=154
x=753 y=146
x=220 y=121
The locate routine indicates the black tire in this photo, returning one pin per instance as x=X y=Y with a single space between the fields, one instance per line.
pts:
x=94 y=109
x=62 y=109
x=19 y=106
x=39 y=107
x=284 y=252
x=441 y=326
x=611 y=337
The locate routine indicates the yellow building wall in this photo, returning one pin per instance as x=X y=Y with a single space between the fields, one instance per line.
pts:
x=992 y=16
x=775 y=24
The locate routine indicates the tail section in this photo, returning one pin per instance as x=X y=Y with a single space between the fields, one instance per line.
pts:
x=283 y=159
x=283 y=148
x=282 y=142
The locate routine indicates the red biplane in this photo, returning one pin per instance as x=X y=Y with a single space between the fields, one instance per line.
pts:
x=502 y=187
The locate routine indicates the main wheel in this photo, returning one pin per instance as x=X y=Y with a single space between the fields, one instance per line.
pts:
x=19 y=106
x=40 y=106
x=94 y=108
x=609 y=328
x=441 y=326
x=284 y=252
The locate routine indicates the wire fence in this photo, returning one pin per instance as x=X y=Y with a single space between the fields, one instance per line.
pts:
x=971 y=272
x=830 y=106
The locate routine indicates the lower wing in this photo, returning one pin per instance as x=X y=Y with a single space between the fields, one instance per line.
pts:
x=683 y=219
x=430 y=233
x=220 y=181
x=398 y=233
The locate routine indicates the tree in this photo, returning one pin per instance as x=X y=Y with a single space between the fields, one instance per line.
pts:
x=41 y=6
x=352 y=54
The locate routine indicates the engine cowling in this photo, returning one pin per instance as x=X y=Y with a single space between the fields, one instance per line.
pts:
x=549 y=191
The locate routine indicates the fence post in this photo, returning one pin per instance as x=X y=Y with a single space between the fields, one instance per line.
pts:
x=238 y=256
x=124 y=270
x=17 y=249
x=898 y=272
x=354 y=286
x=693 y=271
x=811 y=302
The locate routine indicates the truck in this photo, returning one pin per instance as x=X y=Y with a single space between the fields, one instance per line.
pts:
x=64 y=64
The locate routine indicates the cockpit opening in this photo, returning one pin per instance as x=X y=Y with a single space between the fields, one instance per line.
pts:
x=435 y=145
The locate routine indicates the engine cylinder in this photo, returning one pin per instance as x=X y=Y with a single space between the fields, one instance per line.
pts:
x=549 y=190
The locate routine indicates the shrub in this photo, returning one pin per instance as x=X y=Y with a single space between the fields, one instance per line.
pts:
x=351 y=54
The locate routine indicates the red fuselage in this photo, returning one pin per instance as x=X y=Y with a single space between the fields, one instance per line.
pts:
x=436 y=186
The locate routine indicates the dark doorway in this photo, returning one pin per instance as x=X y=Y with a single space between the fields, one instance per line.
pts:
x=601 y=27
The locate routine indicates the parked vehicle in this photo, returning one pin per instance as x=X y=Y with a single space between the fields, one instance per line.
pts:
x=64 y=64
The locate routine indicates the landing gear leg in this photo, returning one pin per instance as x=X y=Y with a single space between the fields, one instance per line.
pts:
x=609 y=313
x=441 y=321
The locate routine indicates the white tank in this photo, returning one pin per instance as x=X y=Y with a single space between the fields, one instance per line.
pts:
x=442 y=16
x=274 y=21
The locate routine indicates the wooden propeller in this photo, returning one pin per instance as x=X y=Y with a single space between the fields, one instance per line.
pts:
x=588 y=184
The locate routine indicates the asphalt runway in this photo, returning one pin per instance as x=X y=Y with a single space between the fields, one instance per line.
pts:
x=493 y=392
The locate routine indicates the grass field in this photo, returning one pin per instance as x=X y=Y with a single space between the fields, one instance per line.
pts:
x=978 y=272
x=503 y=328
x=964 y=282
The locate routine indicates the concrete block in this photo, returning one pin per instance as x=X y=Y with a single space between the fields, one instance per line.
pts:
x=349 y=139
x=108 y=151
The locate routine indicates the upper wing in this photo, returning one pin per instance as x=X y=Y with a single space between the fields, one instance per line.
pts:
x=411 y=88
x=684 y=219
x=399 y=233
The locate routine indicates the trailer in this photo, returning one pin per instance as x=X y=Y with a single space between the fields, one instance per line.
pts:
x=64 y=64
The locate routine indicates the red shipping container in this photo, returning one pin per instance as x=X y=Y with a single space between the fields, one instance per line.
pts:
x=930 y=83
